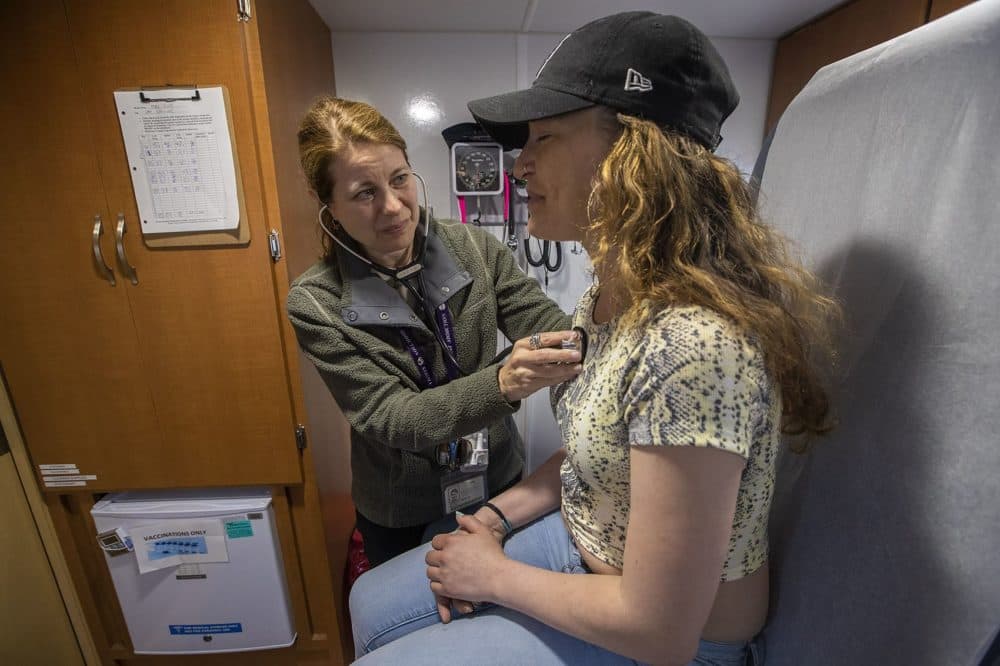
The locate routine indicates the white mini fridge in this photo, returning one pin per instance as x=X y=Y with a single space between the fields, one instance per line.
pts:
x=213 y=580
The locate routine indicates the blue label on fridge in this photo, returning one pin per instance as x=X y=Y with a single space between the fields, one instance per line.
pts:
x=192 y=629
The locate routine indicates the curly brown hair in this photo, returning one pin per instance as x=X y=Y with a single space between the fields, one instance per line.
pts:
x=674 y=224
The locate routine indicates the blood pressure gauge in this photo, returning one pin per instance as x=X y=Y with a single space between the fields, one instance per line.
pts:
x=476 y=169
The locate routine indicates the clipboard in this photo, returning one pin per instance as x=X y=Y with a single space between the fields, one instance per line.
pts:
x=184 y=166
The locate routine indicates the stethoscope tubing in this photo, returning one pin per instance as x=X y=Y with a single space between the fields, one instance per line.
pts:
x=543 y=259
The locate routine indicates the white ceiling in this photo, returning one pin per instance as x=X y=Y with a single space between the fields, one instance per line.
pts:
x=748 y=19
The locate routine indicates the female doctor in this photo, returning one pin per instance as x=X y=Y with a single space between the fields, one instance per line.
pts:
x=400 y=317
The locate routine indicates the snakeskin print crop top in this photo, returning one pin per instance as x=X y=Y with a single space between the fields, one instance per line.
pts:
x=687 y=378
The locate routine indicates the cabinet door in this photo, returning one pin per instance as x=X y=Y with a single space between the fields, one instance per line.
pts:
x=207 y=319
x=35 y=628
x=67 y=342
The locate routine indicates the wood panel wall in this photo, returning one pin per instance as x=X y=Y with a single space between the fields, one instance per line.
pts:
x=850 y=28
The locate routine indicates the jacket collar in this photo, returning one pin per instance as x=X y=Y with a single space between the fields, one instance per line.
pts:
x=371 y=301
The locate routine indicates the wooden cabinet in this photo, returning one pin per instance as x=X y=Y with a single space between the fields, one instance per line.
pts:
x=67 y=344
x=178 y=380
x=190 y=377
x=35 y=628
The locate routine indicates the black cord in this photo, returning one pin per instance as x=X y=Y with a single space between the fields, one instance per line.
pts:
x=540 y=261
x=543 y=258
x=502 y=355
x=552 y=268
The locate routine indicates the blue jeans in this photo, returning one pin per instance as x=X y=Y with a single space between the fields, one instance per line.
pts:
x=395 y=618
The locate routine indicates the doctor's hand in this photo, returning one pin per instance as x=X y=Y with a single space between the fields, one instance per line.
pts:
x=539 y=361
x=464 y=564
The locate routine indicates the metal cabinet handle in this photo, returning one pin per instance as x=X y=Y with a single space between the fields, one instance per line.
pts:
x=123 y=264
x=109 y=274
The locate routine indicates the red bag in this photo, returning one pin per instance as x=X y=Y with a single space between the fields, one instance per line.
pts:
x=357 y=561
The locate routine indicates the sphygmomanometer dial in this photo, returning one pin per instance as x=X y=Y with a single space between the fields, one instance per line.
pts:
x=477 y=168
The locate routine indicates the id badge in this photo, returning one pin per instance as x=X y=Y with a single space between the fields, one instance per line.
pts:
x=461 y=489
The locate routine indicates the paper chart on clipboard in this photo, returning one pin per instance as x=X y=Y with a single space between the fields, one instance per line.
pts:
x=181 y=159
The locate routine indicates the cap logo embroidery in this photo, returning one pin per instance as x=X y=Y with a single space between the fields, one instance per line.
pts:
x=634 y=81
x=561 y=41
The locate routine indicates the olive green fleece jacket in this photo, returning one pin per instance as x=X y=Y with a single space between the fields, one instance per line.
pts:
x=348 y=320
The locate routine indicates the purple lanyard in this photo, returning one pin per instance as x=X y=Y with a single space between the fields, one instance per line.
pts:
x=448 y=332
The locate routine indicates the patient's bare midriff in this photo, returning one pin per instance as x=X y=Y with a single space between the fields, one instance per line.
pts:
x=740 y=607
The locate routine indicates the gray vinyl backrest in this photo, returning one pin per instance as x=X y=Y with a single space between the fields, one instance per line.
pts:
x=885 y=173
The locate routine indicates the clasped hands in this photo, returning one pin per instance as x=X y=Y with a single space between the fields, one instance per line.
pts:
x=464 y=565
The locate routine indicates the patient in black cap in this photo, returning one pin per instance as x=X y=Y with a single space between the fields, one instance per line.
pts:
x=645 y=537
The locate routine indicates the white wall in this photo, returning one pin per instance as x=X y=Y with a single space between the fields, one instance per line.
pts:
x=445 y=70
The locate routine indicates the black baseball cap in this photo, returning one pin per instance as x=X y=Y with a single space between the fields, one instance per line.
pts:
x=657 y=67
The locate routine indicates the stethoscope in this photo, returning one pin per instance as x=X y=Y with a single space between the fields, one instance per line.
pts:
x=543 y=258
x=402 y=275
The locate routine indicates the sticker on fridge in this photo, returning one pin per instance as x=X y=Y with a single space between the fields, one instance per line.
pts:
x=171 y=543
